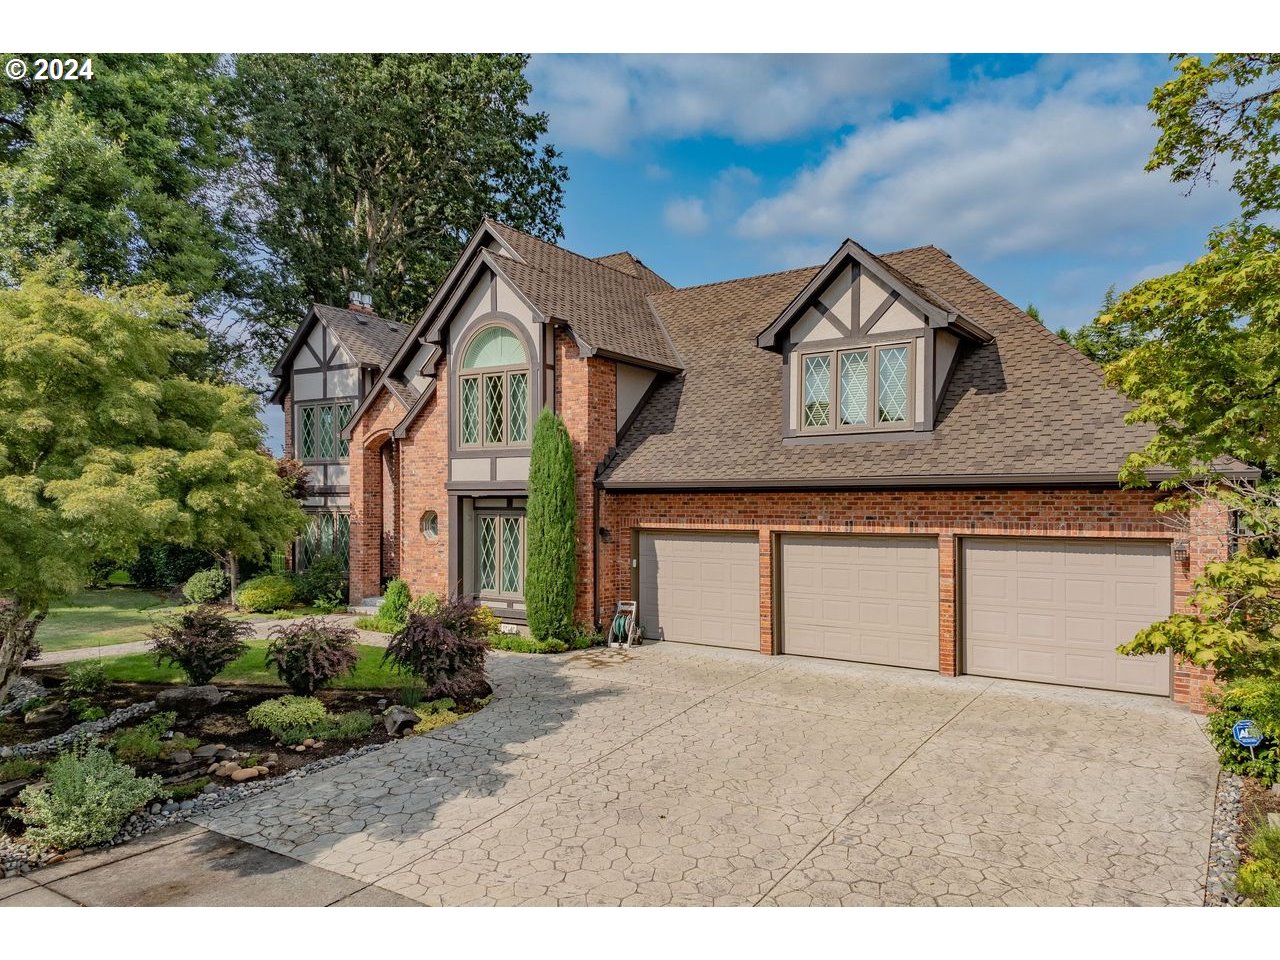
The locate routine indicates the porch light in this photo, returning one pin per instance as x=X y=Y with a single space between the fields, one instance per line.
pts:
x=1181 y=553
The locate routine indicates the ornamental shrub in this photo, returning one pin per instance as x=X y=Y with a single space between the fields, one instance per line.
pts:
x=324 y=580
x=200 y=642
x=1256 y=699
x=1259 y=879
x=427 y=603
x=311 y=653
x=145 y=742
x=266 y=594
x=206 y=586
x=486 y=620
x=87 y=796
x=287 y=712
x=86 y=677
x=395 y=603
x=445 y=650
x=551 y=518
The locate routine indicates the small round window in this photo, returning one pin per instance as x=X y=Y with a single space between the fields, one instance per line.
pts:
x=430 y=525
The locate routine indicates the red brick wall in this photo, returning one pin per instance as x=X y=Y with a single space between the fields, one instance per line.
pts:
x=947 y=514
x=368 y=435
x=424 y=469
x=287 y=405
x=1207 y=540
x=587 y=400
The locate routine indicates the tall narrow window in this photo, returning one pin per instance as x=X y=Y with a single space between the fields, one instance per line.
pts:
x=817 y=391
x=891 y=385
x=853 y=388
x=512 y=555
x=494 y=382
x=488 y=554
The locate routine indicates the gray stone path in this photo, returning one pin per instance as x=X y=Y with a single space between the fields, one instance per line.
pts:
x=683 y=775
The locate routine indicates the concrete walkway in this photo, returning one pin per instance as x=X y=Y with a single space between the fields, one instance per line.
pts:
x=680 y=775
x=188 y=866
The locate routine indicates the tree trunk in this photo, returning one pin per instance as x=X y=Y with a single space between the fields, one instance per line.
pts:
x=17 y=642
x=233 y=573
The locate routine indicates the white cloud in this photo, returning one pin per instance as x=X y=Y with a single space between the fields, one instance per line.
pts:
x=604 y=103
x=686 y=215
x=1047 y=161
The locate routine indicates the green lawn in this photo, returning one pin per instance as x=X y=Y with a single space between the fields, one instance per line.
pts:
x=93 y=617
x=370 y=674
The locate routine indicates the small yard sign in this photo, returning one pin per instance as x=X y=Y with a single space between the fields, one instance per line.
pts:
x=1246 y=733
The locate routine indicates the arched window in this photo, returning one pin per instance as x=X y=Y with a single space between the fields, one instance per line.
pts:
x=494 y=387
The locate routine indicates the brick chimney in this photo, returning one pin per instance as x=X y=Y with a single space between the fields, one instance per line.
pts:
x=360 y=302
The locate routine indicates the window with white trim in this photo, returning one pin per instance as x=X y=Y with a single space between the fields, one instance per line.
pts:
x=320 y=430
x=864 y=388
x=494 y=389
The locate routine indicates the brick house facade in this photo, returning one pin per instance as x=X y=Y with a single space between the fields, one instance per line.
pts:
x=702 y=427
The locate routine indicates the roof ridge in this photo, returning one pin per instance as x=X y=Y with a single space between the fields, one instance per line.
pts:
x=922 y=246
x=574 y=253
x=754 y=276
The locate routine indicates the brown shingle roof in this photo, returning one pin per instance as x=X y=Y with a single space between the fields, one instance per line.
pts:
x=633 y=266
x=1025 y=406
x=603 y=305
x=371 y=340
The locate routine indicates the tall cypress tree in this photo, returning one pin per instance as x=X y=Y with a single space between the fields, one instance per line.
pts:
x=551 y=578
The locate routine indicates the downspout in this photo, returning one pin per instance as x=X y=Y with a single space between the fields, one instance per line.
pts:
x=595 y=548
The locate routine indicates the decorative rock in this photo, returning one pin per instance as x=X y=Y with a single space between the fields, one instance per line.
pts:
x=210 y=788
x=179 y=757
x=50 y=713
x=299 y=749
x=207 y=751
x=399 y=719
x=1273 y=821
x=308 y=742
x=227 y=754
x=240 y=775
x=188 y=700
x=271 y=758
x=21 y=691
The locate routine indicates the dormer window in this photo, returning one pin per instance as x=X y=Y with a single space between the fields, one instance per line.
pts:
x=868 y=388
x=494 y=384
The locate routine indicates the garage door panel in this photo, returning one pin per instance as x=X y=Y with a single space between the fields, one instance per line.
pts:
x=1055 y=610
x=700 y=588
x=868 y=599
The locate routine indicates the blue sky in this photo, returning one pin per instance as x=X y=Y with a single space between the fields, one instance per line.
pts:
x=1027 y=169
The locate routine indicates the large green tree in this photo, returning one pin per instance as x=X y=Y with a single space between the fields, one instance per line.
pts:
x=1206 y=370
x=104 y=446
x=368 y=172
x=125 y=174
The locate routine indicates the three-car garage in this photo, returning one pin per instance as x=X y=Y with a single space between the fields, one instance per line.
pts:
x=1032 y=608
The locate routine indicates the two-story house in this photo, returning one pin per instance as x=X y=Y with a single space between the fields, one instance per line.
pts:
x=328 y=367
x=875 y=459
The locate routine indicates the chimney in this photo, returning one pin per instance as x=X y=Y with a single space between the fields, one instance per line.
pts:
x=360 y=302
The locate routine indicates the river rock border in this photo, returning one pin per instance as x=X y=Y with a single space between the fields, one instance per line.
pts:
x=21 y=691
x=81 y=730
x=19 y=859
x=1224 y=843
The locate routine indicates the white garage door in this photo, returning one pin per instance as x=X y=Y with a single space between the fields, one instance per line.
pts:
x=870 y=599
x=701 y=588
x=1055 y=611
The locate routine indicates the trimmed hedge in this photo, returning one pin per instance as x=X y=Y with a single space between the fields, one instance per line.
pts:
x=266 y=594
x=551 y=518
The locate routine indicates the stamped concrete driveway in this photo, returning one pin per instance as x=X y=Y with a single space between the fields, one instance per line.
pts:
x=672 y=775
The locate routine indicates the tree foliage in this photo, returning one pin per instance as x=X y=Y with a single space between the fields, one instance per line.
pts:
x=368 y=172
x=123 y=174
x=1223 y=111
x=103 y=446
x=551 y=518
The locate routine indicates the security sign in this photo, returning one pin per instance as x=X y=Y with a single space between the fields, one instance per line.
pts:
x=1246 y=733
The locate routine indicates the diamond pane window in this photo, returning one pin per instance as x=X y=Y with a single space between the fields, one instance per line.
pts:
x=488 y=553
x=854 y=372
x=471 y=410
x=817 y=391
x=511 y=554
x=342 y=537
x=342 y=416
x=493 y=414
x=307 y=433
x=518 y=399
x=891 y=385
x=311 y=543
